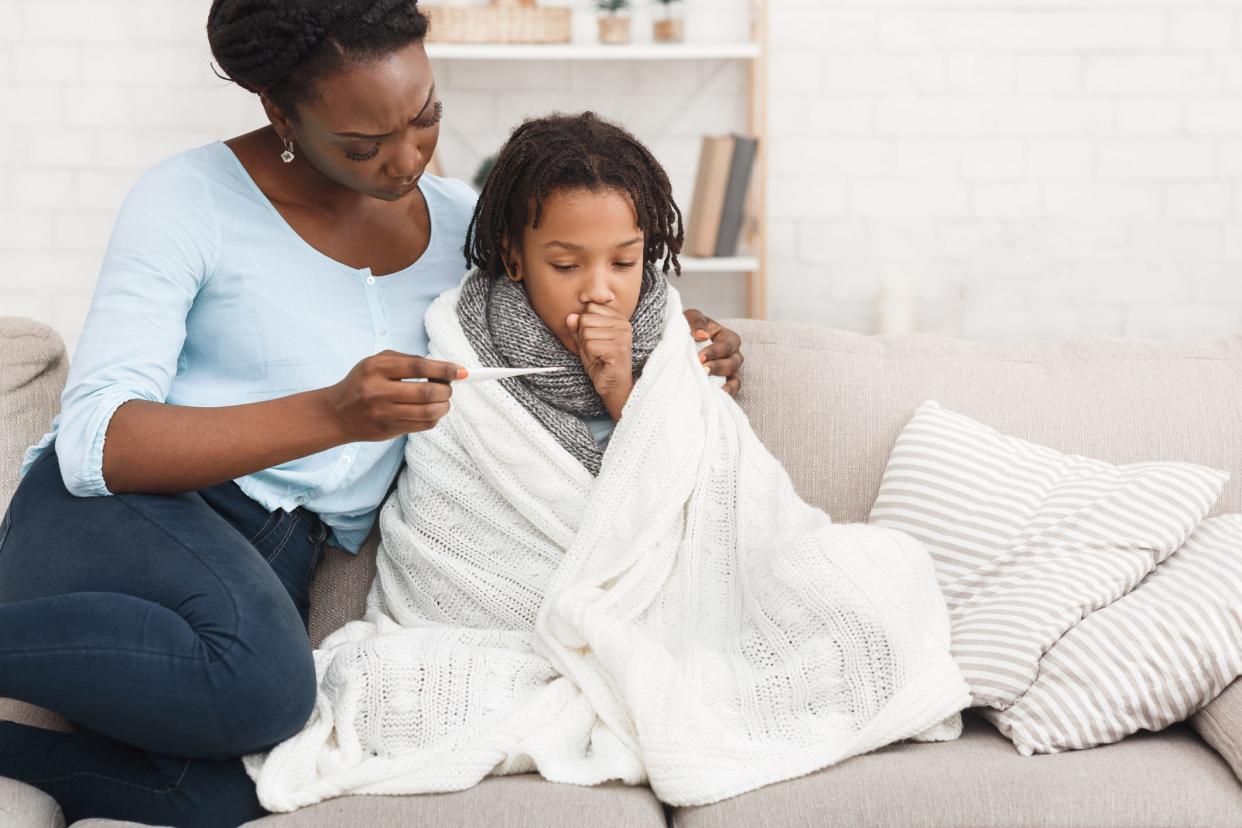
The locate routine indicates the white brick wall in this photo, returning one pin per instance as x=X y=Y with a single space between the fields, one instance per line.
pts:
x=92 y=92
x=1035 y=167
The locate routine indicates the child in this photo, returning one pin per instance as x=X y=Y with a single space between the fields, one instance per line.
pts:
x=666 y=612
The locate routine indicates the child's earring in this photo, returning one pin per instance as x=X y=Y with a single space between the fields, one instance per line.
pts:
x=287 y=155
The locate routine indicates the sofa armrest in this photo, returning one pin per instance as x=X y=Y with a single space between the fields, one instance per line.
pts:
x=1220 y=725
x=22 y=804
x=33 y=365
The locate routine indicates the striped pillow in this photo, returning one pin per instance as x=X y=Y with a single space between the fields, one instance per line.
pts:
x=1027 y=541
x=1151 y=659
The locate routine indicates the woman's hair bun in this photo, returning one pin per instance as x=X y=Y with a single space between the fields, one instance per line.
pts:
x=277 y=47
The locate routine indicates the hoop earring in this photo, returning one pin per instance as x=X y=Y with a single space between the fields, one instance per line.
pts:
x=287 y=155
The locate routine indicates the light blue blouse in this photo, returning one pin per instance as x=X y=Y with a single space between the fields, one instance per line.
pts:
x=601 y=429
x=207 y=297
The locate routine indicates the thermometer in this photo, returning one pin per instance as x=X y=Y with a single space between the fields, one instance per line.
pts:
x=485 y=374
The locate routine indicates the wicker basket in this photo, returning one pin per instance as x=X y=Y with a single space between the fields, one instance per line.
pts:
x=499 y=23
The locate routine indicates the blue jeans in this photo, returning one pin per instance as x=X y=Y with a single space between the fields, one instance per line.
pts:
x=170 y=629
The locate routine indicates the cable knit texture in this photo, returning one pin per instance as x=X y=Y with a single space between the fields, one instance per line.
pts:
x=682 y=620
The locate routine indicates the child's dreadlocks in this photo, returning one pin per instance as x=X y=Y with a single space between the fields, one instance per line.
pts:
x=560 y=152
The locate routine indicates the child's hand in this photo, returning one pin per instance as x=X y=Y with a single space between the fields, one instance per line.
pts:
x=605 y=344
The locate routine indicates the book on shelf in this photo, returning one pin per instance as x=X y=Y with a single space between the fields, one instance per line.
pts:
x=721 y=186
x=733 y=212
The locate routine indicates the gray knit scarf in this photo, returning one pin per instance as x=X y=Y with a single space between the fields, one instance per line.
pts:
x=505 y=331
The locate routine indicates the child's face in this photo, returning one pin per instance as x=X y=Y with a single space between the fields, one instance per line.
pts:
x=587 y=249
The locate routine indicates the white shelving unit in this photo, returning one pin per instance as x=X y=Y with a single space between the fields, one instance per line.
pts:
x=588 y=51
x=754 y=52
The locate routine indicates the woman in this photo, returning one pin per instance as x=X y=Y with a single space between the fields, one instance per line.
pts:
x=243 y=280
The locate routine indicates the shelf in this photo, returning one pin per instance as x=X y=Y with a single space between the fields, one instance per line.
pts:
x=753 y=55
x=730 y=264
x=593 y=51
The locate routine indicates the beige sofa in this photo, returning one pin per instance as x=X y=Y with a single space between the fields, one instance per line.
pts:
x=830 y=404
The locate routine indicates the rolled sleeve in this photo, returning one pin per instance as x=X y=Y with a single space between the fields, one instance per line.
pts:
x=81 y=466
x=160 y=255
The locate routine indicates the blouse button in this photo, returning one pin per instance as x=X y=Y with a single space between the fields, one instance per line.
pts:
x=370 y=280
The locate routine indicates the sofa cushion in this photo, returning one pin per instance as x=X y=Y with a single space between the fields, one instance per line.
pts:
x=1220 y=725
x=32 y=375
x=1151 y=779
x=339 y=587
x=830 y=403
x=12 y=710
x=497 y=801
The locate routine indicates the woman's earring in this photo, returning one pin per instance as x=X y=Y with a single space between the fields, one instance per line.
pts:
x=287 y=155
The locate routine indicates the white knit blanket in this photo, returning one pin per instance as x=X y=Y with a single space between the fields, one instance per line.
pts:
x=683 y=620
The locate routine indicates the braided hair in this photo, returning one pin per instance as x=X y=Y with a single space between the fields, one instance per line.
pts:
x=281 y=47
x=562 y=152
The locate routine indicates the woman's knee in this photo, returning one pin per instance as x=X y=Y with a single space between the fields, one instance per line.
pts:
x=283 y=706
x=267 y=701
x=248 y=700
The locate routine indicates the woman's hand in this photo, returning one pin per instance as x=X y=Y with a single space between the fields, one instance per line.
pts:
x=159 y=448
x=605 y=343
x=724 y=356
x=372 y=403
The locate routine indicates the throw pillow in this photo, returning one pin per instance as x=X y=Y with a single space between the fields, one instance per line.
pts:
x=1028 y=541
x=1151 y=659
